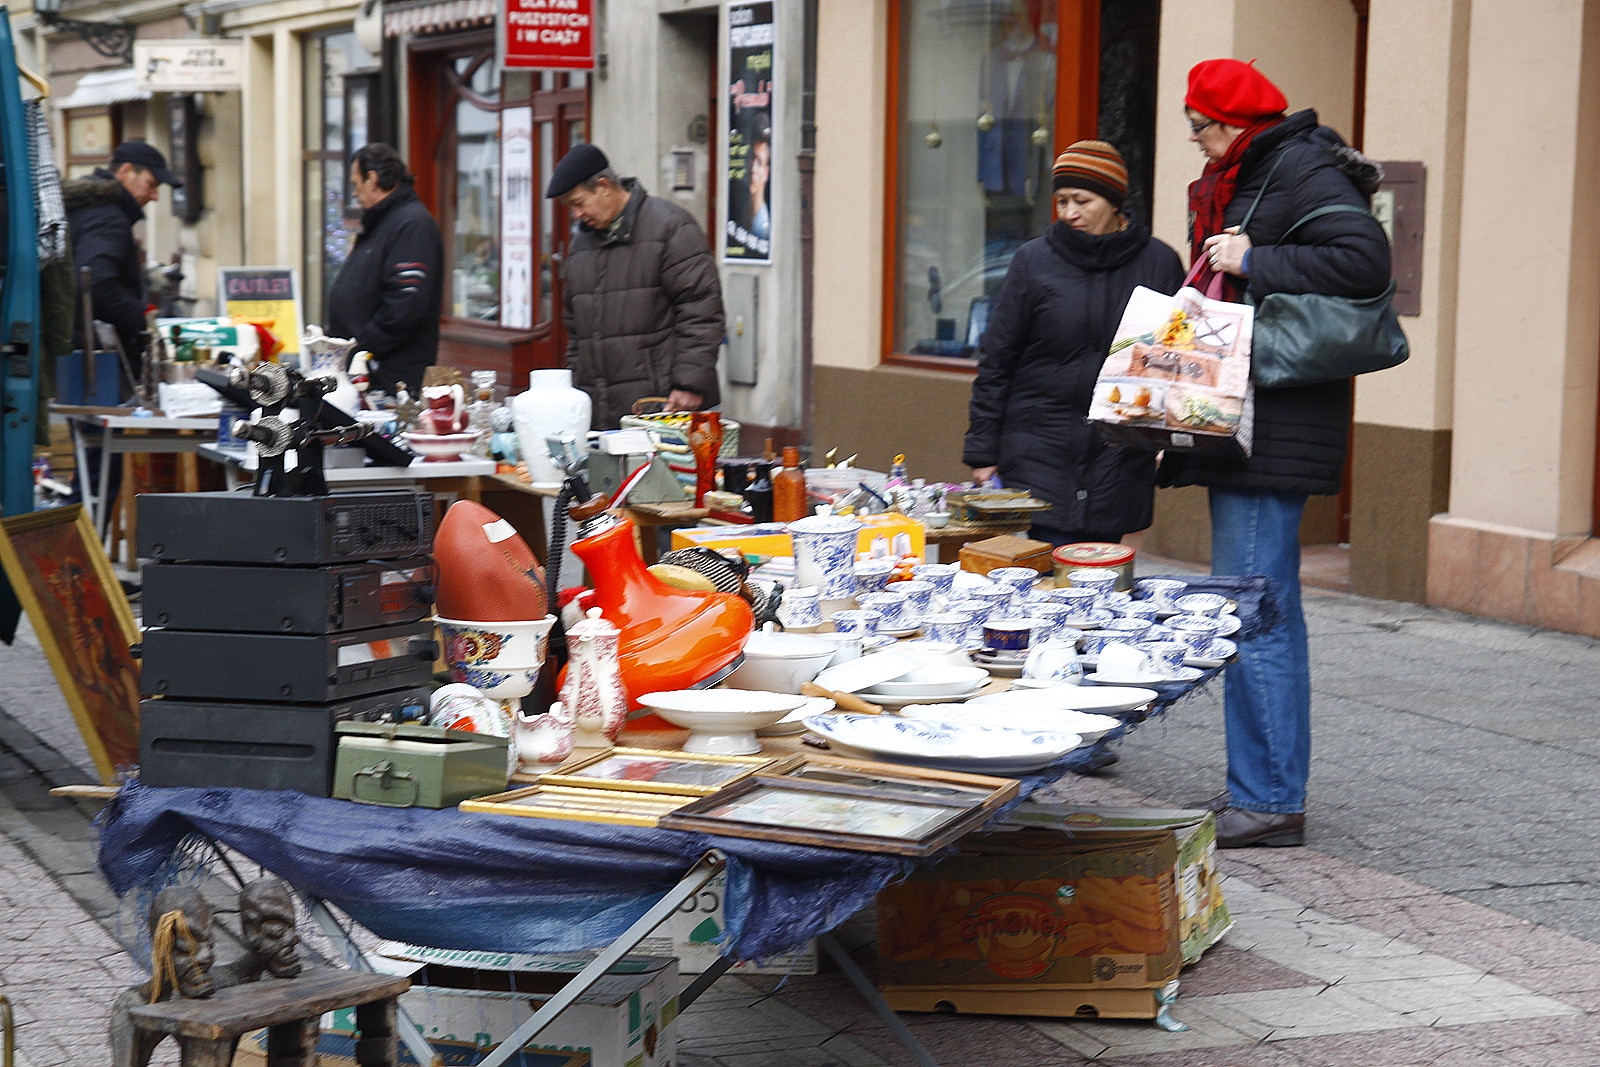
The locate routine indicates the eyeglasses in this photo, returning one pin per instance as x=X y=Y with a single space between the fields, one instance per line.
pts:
x=1201 y=127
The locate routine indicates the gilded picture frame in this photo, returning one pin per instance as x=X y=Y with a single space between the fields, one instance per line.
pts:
x=63 y=578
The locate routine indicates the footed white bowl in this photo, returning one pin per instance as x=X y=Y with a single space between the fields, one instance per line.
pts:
x=722 y=722
x=501 y=645
x=439 y=447
x=780 y=663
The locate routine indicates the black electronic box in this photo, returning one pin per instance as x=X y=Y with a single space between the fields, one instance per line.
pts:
x=287 y=667
x=257 y=746
x=288 y=600
x=306 y=531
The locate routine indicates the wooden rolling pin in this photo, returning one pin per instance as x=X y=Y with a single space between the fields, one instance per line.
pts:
x=847 y=701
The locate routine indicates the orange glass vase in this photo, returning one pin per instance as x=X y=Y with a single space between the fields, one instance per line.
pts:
x=671 y=638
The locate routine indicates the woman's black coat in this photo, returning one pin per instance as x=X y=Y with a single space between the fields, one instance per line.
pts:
x=1051 y=325
x=1301 y=431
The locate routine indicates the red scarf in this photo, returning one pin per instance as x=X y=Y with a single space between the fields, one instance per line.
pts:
x=1212 y=192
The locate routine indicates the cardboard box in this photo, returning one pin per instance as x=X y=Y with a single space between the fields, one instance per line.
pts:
x=772 y=538
x=981 y=557
x=1032 y=909
x=691 y=934
x=476 y=1000
x=337 y=1048
x=1202 y=913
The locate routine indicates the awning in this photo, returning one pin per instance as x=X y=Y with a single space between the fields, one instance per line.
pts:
x=101 y=87
x=433 y=16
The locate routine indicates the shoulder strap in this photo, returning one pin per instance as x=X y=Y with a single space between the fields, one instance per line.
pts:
x=1248 y=215
x=1330 y=209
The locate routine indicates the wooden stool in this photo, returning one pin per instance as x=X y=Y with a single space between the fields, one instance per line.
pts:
x=207 y=1029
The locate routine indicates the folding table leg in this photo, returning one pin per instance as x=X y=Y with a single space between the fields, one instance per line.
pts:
x=102 y=511
x=869 y=993
x=410 y=1034
x=703 y=982
x=80 y=470
x=702 y=872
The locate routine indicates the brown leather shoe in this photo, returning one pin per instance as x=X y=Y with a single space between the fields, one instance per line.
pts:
x=1239 y=828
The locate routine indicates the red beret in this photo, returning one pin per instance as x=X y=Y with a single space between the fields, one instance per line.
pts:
x=1233 y=93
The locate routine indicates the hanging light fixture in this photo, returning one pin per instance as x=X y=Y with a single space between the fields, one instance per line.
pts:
x=114 y=40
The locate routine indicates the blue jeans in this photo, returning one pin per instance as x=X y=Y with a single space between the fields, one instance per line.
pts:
x=1267 y=705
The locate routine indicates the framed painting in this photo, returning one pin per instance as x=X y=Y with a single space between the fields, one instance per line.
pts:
x=831 y=815
x=62 y=576
x=646 y=770
x=611 y=806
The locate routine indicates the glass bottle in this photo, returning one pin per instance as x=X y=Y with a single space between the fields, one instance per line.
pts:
x=758 y=494
x=478 y=412
x=789 y=488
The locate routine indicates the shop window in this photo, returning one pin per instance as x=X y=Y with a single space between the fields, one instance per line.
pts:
x=472 y=223
x=92 y=133
x=983 y=96
x=337 y=122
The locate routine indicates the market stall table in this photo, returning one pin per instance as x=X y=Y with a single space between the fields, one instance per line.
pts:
x=453 y=879
x=121 y=433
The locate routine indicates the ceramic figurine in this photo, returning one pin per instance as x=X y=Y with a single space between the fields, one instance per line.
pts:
x=446 y=409
x=593 y=692
x=543 y=741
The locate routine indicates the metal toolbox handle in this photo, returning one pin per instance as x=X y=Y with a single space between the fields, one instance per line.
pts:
x=385 y=773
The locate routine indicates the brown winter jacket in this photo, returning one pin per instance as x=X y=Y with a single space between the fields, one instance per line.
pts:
x=643 y=308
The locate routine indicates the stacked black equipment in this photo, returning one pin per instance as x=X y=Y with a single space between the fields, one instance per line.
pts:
x=271 y=619
x=272 y=616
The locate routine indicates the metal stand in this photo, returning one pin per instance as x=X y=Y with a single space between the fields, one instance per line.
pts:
x=869 y=993
x=706 y=868
x=409 y=1034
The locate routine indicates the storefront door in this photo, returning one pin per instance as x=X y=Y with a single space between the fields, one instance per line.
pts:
x=496 y=314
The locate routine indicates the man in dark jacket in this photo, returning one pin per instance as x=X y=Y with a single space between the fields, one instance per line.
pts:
x=388 y=292
x=643 y=302
x=102 y=210
x=1292 y=166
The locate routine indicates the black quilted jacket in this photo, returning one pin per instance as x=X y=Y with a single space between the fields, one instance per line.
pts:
x=1300 y=432
x=643 y=308
x=1051 y=325
x=100 y=218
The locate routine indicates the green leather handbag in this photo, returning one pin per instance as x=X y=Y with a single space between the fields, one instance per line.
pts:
x=1306 y=338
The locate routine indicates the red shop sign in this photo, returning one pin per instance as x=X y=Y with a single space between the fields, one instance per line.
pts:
x=547 y=33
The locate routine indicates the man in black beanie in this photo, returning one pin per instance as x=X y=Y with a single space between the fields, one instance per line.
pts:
x=643 y=303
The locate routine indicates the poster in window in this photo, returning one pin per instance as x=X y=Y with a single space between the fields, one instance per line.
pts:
x=516 y=217
x=751 y=38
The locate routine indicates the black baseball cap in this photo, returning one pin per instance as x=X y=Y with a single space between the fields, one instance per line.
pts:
x=143 y=154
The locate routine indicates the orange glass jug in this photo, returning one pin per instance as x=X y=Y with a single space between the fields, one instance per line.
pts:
x=671 y=638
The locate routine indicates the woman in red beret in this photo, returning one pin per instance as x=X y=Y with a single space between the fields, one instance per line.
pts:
x=1292 y=165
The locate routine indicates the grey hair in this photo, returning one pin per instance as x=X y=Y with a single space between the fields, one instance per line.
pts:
x=592 y=182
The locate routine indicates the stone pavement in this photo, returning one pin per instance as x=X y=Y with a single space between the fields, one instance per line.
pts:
x=1445 y=912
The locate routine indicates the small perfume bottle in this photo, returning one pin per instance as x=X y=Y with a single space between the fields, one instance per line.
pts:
x=479 y=412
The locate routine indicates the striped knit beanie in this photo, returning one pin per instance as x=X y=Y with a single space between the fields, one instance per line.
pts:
x=1095 y=166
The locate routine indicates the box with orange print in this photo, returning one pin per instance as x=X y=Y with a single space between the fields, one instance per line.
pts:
x=1060 y=925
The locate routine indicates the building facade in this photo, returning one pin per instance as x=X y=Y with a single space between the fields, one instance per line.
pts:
x=865 y=169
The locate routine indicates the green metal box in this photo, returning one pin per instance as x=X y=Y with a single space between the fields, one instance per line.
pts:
x=403 y=766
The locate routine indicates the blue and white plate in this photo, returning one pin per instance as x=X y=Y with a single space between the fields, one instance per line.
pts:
x=1183 y=674
x=1218 y=652
x=1230 y=625
x=970 y=747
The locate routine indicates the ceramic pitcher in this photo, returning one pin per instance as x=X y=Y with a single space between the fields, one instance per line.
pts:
x=542 y=741
x=825 y=554
x=593 y=692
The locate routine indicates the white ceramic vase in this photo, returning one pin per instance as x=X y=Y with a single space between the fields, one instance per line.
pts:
x=551 y=405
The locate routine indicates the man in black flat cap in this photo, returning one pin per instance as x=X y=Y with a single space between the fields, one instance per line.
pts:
x=643 y=303
x=101 y=212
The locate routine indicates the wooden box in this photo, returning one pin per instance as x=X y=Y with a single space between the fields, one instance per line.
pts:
x=982 y=557
x=395 y=766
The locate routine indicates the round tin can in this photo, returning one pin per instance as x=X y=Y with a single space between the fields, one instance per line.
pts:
x=1094 y=554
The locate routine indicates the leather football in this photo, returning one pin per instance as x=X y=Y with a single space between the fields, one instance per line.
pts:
x=487 y=572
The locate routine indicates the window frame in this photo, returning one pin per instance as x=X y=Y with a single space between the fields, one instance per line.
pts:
x=1076 y=118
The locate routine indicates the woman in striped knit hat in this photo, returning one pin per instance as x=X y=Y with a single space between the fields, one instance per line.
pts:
x=1050 y=327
